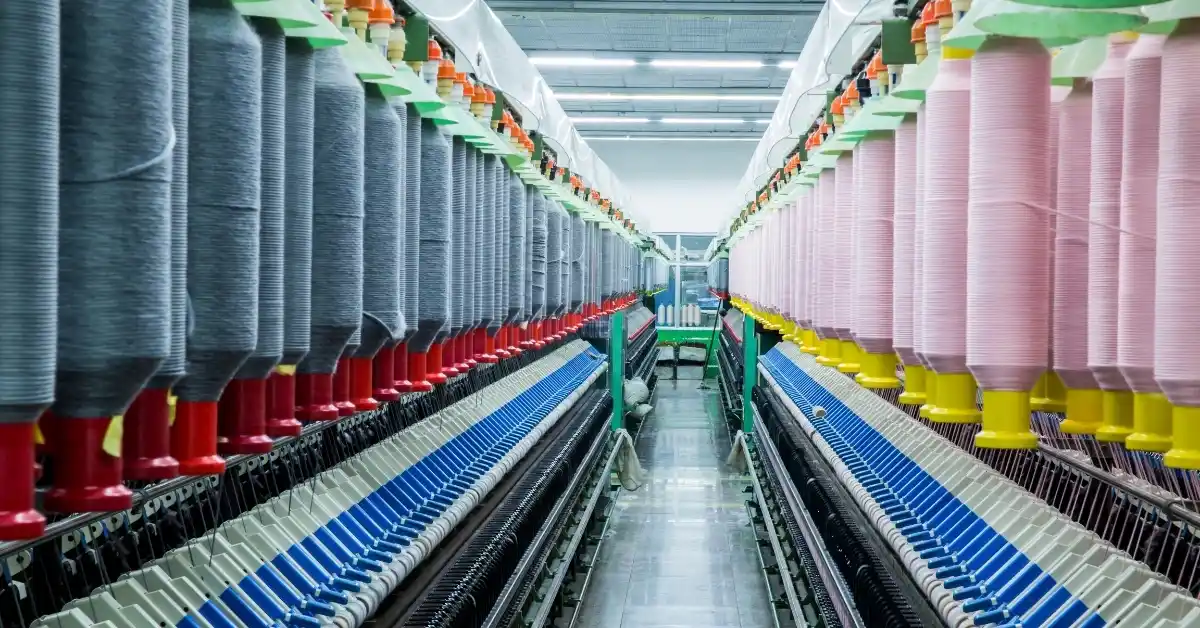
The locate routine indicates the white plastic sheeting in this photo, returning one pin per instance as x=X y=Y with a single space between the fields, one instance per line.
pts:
x=841 y=34
x=489 y=50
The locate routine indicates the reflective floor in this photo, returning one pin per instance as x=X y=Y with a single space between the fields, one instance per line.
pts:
x=680 y=551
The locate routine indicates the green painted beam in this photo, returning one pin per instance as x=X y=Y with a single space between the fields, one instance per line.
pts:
x=750 y=372
x=616 y=367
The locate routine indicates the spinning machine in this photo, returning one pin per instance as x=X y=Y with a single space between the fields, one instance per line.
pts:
x=292 y=325
x=962 y=348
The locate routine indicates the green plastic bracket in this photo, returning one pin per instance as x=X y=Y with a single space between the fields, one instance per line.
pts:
x=539 y=143
x=320 y=34
x=416 y=33
x=365 y=60
x=898 y=48
x=498 y=110
x=616 y=367
x=749 y=373
x=288 y=13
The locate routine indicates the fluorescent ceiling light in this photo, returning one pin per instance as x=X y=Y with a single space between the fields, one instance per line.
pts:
x=707 y=63
x=582 y=62
x=787 y=65
x=668 y=138
x=677 y=97
x=762 y=122
x=609 y=120
x=703 y=121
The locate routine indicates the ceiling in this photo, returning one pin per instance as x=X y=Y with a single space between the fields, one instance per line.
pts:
x=636 y=33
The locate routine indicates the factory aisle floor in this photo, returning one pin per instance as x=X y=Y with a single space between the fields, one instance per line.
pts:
x=680 y=551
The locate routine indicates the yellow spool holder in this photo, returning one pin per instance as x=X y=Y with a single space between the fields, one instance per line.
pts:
x=1151 y=423
x=1185 y=451
x=1038 y=400
x=850 y=358
x=914 y=385
x=956 y=395
x=1049 y=394
x=789 y=331
x=1006 y=416
x=1117 y=422
x=931 y=394
x=831 y=352
x=812 y=344
x=879 y=371
x=1085 y=406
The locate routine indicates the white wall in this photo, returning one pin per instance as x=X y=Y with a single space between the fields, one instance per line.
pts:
x=678 y=186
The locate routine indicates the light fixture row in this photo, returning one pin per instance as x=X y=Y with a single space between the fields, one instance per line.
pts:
x=666 y=138
x=688 y=97
x=633 y=120
x=699 y=64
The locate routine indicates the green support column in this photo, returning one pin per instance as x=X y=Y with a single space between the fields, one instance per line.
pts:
x=616 y=367
x=750 y=372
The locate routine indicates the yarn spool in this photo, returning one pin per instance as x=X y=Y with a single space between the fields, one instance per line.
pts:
x=337 y=271
x=146 y=430
x=514 y=267
x=434 y=251
x=29 y=133
x=299 y=84
x=1008 y=282
x=409 y=380
x=511 y=249
x=385 y=378
x=114 y=255
x=472 y=281
x=442 y=351
x=1108 y=106
x=224 y=156
x=805 y=289
x=1139 y=205
x=381 y=252
x=487 y=293
x=448 y=339
x=492 y=297
x=553 y=265
x=242 y=411
x=874 y=217
x=903 y=245
x=1176 y=345
x=527 y=310
x=918 y=291
x=540 y=247
x=606 y=269
x=844 y=260
x=944 y=241
x=578 y=251
x=831 y=348
x=1070 y=312
x=564 y=268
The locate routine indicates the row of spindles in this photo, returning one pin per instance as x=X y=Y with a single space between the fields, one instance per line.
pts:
x=256 y=241
x=1040 y=246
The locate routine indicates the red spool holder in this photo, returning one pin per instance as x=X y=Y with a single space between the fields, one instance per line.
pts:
x=537 y=336
x=87 y=476
x=362 y=379
x=18 y=518
x=146 y=437
x=512 y=338
x=460 y=354
x=242 y=418
x=194 y=438
x=314 y=397
x=341 y=388
x=493 y=346
x=400 y=368
x=490 y=354
x=437 y=372
x=383 y=375
x=281 y=403
x=417 y=370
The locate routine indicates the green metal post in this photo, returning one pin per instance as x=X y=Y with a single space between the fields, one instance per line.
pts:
x=750 y=372
x=616 y=367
